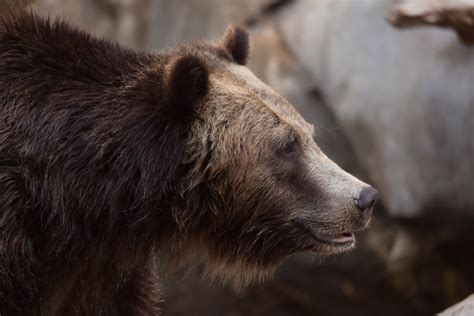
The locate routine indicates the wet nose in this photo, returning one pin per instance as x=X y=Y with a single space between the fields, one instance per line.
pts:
x=366 y=200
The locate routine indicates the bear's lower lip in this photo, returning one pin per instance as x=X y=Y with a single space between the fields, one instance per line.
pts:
x=337 y=239
x=342 y=239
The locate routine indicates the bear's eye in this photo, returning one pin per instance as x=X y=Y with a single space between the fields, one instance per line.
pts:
x=290 y=149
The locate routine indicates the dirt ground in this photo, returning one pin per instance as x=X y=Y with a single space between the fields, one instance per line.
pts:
x=367 y=281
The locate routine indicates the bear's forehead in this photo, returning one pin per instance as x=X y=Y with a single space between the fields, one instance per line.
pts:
x=240 y=80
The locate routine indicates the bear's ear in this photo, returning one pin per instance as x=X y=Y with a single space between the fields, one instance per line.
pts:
x=236 y=43
x=188 y=83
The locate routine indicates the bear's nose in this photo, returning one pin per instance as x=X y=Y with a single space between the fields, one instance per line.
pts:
x=366 y=200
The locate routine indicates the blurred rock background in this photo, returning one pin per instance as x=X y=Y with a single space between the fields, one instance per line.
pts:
x=396 y=108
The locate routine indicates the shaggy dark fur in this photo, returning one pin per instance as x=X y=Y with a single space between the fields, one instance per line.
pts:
x=110 y=158
x=91 y=137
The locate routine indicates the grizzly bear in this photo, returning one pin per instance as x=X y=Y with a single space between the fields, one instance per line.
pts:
x=112 y=158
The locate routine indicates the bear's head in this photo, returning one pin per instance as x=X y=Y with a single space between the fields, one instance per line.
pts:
x=255 y=187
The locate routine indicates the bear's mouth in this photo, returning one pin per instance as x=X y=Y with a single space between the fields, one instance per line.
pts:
x=338 y=239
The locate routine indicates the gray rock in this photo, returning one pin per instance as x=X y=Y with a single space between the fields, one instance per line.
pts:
x=464 y=308
x=404 y=99
x=153 y=23
x=182 y=20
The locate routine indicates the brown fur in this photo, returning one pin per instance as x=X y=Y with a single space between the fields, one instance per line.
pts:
x=110 y=159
